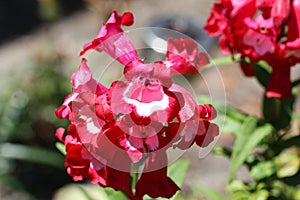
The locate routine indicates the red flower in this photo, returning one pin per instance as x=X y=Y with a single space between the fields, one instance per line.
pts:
x=183 y=57
x=135 y=120
x=111 y=36
x=155 y=182
x=273 y=35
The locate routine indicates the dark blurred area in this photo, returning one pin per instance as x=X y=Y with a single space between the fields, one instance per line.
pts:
x=21 y=16
x=31 y=167
x=31 y=160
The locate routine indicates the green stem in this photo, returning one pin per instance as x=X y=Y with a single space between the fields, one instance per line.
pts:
x=222 y=61
x=276 y=111
x=135 y=177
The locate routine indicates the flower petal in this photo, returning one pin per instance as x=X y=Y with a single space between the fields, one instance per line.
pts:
x=183 y=57
x=113 y=40
x=154 y=180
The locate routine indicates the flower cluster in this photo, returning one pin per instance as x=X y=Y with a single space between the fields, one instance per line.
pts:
x=134 y=121
x=267 y=30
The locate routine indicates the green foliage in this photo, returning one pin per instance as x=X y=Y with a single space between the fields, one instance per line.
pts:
x=112 y=194
x=246 y=142
x=262 y=72
x=86 y=192
x=31 y=154
x=267 y=146
x=279 y=112
x=177 y=171
x=28 y=155
x=263 y=170
x=287 y=163
x=207 y=192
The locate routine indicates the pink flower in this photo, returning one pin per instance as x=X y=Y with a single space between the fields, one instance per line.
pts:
x=261 y=35
x=134 y=120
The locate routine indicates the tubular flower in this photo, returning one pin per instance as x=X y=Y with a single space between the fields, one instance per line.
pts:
x=265 y=30
x=135 y=120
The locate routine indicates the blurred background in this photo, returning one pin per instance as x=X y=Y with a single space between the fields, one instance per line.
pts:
x=39 y=45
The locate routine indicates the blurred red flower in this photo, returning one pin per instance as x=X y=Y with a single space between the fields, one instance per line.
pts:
x=260 y=30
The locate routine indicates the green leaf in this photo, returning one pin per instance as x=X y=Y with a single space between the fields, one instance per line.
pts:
x=279 y=112
x=263 y=170
x=238 y=190
x=61 y=148
x=81 y=192
x=231 y=126
x=262 y=72
x=242 y=138
x=112 y=194
x=11 y=182
x=245 y=142
x=208 y=192
x=260 y=195
x=222 y=151
x=177 y=171
x=287 y=163
x=31 y=154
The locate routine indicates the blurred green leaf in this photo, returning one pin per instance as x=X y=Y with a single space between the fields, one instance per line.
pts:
x=279 y=112
x=81 y=192
x=222 y=151
x=31 y=154
x=237 y=185
x=262 y=72
x=238 y=190
x=49 y=10
x=260 y=195
x=239 y=154
x=61 y=147
x=280 y=190
x=208 y=192
x=245 y=142
x=177 y=171
x=10 y=181
x=263 y=170
x=297 y=194
x=112 y=194
x=287 y=163
x=231 y=126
